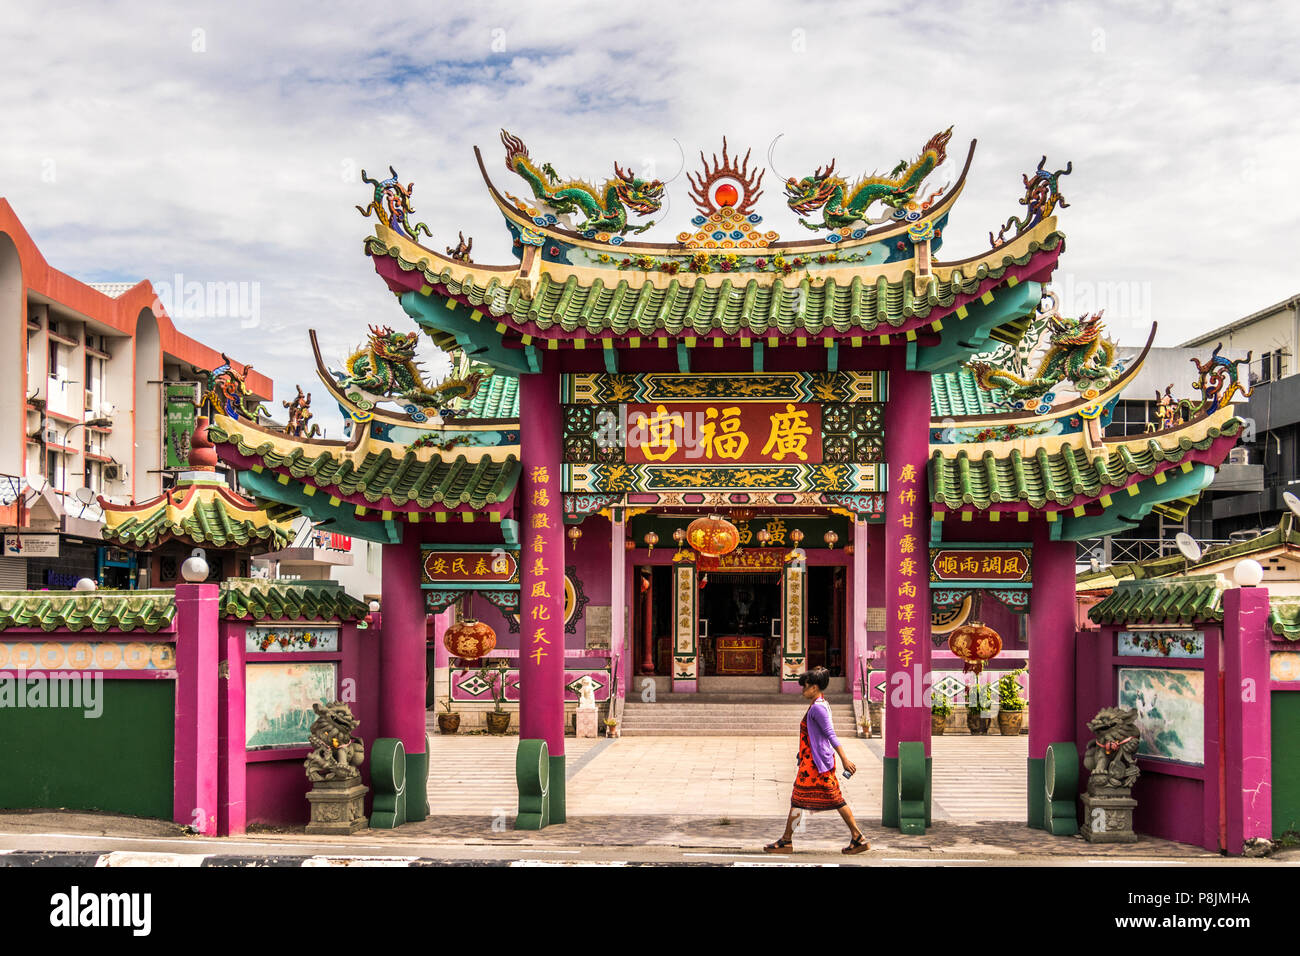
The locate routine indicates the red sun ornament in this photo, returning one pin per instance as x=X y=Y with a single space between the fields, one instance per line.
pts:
x=713 y=536
x=975 y=643
x=469 y=640
x=726 y=195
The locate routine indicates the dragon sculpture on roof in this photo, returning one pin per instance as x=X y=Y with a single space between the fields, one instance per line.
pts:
x=385 y=367
x=1076 y=353
x=391 y=204
x=605 y=207
x=225 y=391
x=843 y=205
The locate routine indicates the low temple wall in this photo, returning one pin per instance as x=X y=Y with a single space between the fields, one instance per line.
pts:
x=191 y=716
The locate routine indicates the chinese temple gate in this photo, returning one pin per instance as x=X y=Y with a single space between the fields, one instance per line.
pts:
x=817 y=393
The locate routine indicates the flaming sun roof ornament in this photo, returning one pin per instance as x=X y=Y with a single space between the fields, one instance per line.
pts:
x=725 y=195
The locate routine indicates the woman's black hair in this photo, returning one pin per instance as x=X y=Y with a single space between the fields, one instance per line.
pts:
x=818 y=676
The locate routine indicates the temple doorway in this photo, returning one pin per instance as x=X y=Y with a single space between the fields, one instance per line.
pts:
x=739 y=621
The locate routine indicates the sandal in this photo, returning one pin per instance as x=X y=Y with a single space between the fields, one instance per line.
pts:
x=857 y=845
x=780 y=846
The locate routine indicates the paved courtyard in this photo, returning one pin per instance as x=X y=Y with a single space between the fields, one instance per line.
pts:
x=975 y=778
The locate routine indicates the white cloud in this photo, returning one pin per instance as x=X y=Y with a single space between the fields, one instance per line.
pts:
x=225 y=144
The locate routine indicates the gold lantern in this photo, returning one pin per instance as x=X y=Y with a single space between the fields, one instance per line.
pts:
x=796 y=536
x=713 y=536
x=574 y=534
x=764 y=537
x=650 y=539
x=830 y=537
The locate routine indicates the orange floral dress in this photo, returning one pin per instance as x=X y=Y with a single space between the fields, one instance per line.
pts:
x=813 y=790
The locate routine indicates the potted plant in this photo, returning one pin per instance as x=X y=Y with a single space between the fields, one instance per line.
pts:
x=1011 y=706
x=448 y=720
x=498 y=718
x=611 y=727
x=940 y=708
x=979 y=701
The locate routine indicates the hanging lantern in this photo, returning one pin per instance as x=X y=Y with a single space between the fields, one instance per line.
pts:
x=848 y=549
x=764 y=537
x=650 y=539
x=713 y=536
x=975 y=644
x=629 y=544
x=574 y=534
x=796 y=536
x=742 y=515
x=469 y=639
x=830 y=537
x=679 y=536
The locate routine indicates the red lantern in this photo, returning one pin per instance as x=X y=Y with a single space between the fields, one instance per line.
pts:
x=713 y=536
x=469 y=640
x=975 y=643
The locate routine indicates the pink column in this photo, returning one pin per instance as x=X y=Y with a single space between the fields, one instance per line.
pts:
x=906 y=560
x=859 y=643
x=875 y=586
x=1246 y=713
x=1051 y=659
x=907 y=587
x=402 y=665
x=541 y=595
x=232 y=805
x=195 y=795
x=617 y=599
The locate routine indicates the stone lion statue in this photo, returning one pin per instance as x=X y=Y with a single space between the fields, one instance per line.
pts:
x=1112 y=753
x=336 y=754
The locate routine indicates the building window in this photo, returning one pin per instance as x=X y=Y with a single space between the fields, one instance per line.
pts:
x=1129 y=418
x=1279 y=364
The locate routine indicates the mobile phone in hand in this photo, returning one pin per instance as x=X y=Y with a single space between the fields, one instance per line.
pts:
x=847 y=774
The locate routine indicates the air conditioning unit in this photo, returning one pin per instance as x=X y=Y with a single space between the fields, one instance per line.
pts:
x=1239 y=456
x=52 y=436
x=113 y=472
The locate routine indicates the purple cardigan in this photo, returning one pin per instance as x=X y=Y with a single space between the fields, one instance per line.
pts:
x=821 y=735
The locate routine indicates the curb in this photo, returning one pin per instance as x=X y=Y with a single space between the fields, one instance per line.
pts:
x=128 y=858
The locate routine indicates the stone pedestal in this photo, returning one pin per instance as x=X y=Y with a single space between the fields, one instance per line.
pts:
x=338 y=806
x=1108 y=817
x=587 y=723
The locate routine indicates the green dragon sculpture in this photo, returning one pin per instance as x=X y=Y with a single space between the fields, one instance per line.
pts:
x=605 y=207
x=225 y=392
x=386 y=366
x=843 y=206
x=1077 y=353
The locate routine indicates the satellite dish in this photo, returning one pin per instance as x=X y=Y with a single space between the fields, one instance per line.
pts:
x=1188 y=546
x=84 y=495
x=1292 y=502
x=38 y=485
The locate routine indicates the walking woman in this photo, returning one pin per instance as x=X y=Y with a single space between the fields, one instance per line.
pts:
x=815 y=785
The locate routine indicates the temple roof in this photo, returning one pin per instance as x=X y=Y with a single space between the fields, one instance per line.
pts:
x=198 y=513
x=1065 y=473
x=1186 y=600
x=564 y=300
x=155 y=610
x=377 y=472
x=497 y=398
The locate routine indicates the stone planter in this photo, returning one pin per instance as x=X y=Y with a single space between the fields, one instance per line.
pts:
x=1010 y=721
x=977 y=724
x=937 y=723
x=448 y=723
x=497 y=723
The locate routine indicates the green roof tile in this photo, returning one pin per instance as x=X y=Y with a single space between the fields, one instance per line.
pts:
x=1041 y=478
x=149 y=611
x=262 y=600
x=1197 y=599
x=210 y=522
x=446 y=481
x=689 y=306
x=954 y=394
x=497 y=397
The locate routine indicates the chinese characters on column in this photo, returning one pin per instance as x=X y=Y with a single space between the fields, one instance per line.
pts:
x=909 y=568
x=540 y=627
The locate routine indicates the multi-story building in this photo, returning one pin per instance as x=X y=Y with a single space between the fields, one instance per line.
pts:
x=81 y=411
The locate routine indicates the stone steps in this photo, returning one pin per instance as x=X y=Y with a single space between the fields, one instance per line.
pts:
x=726 y=715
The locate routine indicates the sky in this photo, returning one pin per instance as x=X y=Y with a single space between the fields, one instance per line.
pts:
x=224 y=142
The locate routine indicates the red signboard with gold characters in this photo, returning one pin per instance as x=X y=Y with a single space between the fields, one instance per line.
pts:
x=1003 y=565
x=720 y=432
x=498 y=567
